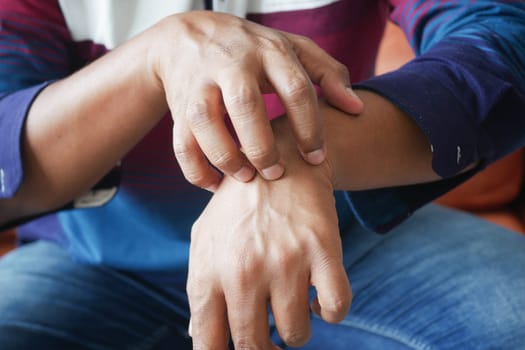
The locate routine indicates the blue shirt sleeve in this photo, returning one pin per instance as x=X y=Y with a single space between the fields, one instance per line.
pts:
x=13 y=111
x=34 y=50
x=465 y=90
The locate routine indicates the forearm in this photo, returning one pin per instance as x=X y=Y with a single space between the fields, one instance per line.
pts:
x=380 y=147
x=79 y=127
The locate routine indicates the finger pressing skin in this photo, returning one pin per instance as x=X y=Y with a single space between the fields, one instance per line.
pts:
x=205 y=116
x=331 y=75
x=334 y=294
x=245 y=105
x=192 y=161
x=290 y=81
x=291 y=311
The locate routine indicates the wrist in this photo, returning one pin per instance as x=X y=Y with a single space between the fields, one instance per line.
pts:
x=294 y=161
x=380 y=147
x=156 y=51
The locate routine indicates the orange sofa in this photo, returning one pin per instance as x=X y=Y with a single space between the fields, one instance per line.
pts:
x=7 y=241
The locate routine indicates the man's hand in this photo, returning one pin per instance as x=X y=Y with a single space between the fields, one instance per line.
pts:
x=201 y=64
x=209 y=64
x=265 y=243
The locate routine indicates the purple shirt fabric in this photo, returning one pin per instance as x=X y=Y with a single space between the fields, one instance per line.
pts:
x=12 y=117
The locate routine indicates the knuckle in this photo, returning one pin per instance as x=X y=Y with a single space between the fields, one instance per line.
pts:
x=320 y=247
x=309 y=133
x=183 y=152
x=331 y=256
x=260 y=155
x=196 y=278
x=308 y=138
x=246 y=346
x=276 y=42
x=198 y=178
x=244 y=274
x=197 y=114
x=341 y=70
x=243 y=102
x=238 y=23
x=195 y=290
x=247 y=343
x=223 y=160
x=287 y=261
x=299 y=91
x=304 y=40
x=245 y=269
x=337 y=305
x=295 y=337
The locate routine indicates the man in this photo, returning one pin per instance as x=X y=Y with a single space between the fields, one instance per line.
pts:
x=258 y=242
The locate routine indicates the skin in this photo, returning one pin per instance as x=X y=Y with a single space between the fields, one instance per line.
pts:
x=163 y=68
x=284 y=235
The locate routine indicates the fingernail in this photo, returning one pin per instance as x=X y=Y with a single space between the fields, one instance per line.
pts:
x=315 y=157
x=273 y=172
x=358 y=104
x=245 y=174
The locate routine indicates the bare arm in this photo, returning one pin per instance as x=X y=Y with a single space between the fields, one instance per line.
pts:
x=381 y=147
x=79 y=127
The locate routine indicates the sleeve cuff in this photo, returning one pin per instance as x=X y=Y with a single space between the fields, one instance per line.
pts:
x=13 y=111
x=380 y=210
x=453 y=140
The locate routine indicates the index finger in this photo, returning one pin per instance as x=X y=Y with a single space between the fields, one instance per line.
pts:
x=296 y=91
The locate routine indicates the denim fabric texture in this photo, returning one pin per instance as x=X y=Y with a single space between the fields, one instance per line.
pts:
x=441 y=280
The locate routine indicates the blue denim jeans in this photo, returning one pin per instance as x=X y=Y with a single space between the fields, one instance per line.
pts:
x=441 y=280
